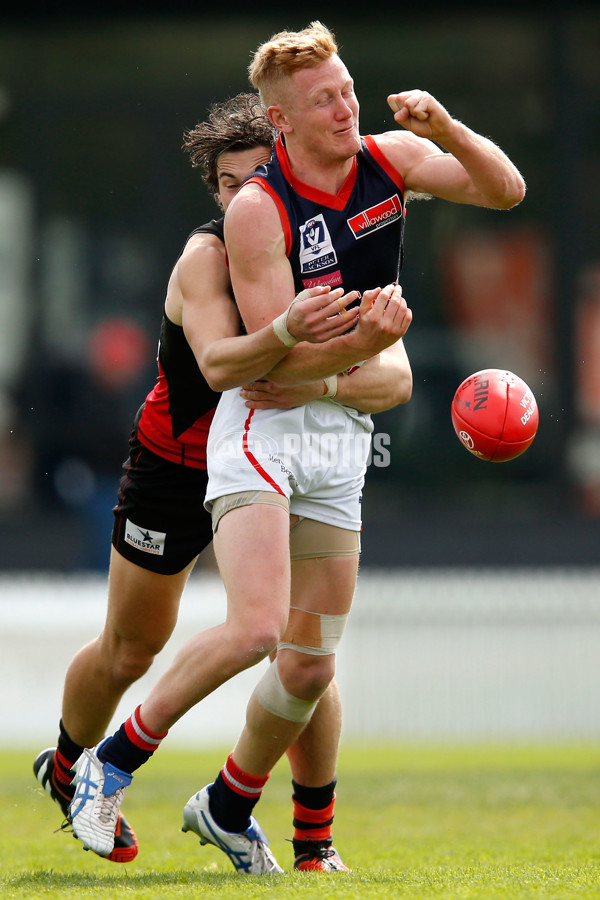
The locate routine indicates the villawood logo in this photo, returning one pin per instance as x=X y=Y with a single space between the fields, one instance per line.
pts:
x=376 y=217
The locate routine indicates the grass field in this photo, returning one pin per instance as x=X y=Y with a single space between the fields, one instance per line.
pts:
x=418 y=822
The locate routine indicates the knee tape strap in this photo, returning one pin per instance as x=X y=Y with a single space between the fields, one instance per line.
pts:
x=273 y=696
x=314 y=633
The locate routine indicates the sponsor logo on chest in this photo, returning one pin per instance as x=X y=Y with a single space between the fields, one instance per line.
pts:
x=376 y=217
x=316 y=247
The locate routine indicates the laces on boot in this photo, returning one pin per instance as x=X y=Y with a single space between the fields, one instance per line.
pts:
x=110 y=807
x=315 y=849
x=66 y=826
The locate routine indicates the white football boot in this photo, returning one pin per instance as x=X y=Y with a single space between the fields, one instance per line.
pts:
x=95 y=808
x=248 y=850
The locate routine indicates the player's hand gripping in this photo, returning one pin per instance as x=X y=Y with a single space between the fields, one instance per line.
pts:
x=265 y=394
x=318 y=314
x=384 y=319
x=419 y=112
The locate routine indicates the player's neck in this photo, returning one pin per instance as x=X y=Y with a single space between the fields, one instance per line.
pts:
x=322 y=175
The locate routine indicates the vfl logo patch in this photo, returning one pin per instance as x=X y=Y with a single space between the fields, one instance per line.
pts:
x=376 y=217
x=142 y=539
x=316 y=248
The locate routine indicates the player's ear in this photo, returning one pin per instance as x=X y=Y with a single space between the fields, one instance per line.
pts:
x=278 y=119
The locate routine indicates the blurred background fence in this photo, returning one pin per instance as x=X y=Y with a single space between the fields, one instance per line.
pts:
x=450 y=655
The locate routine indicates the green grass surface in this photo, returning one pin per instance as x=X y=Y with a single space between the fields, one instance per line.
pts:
x=419 y=822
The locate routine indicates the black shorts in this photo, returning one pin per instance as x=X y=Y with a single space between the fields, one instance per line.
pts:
x=160 y=522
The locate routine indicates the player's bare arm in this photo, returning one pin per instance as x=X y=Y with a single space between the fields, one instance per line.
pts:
x=471 y=170
x=383 y=382
x=200 y=299
x=384 y=317
x=260 y=273
x=262 y=393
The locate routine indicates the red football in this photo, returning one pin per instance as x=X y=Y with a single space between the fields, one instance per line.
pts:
x=495 y=415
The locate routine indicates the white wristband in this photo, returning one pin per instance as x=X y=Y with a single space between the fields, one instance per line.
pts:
x=331 y=383
x=280 y=329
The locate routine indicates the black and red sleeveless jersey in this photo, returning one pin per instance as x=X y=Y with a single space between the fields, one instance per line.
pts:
x=351 y=239
x=176 y=415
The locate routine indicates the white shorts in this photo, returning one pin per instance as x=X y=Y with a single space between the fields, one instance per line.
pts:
x=316 y=455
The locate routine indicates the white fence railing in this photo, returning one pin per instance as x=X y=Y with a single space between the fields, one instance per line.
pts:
x=438 y=655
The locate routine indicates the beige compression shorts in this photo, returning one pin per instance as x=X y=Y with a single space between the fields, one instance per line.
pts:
x=309 y=539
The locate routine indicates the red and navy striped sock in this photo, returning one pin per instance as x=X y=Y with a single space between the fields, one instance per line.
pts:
x=131 y=746
x=234 y=795
x=313 y=815
x=66 y=755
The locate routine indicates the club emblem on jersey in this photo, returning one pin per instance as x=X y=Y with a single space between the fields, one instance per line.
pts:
x=316 y=249
x=376 y=217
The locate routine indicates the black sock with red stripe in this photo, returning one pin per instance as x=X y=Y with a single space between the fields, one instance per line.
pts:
x=234 y=795
x=66 y=755
x=313 y=816
x=131 y=746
